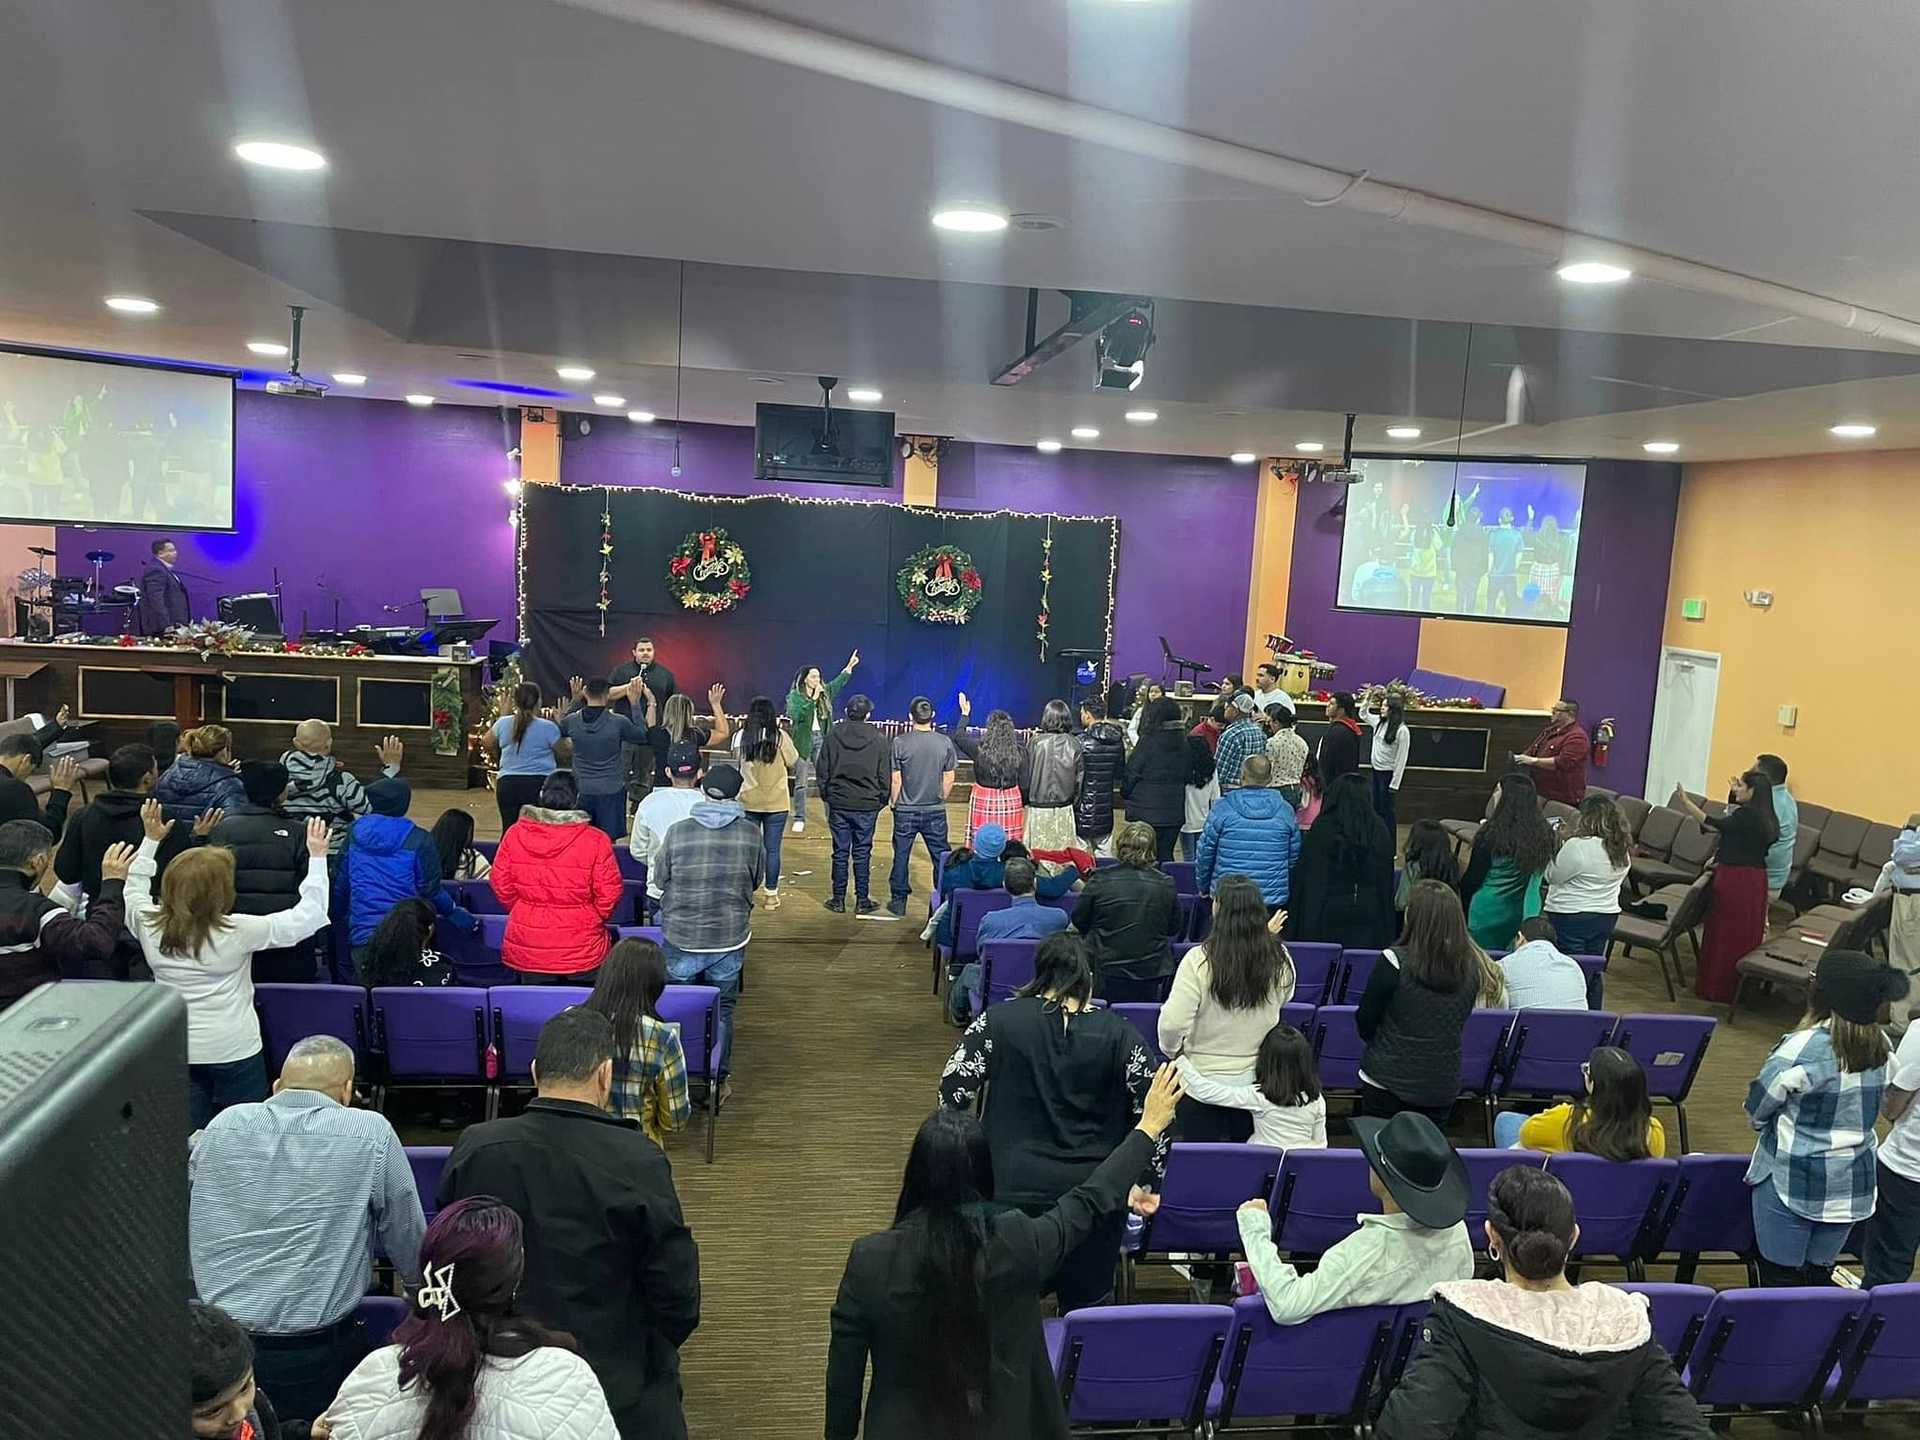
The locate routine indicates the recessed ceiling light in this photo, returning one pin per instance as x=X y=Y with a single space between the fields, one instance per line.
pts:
x=131 y=305
x=574 y=372
x=1403 y=432
x=1243 y=457
x=1048 y=447
x=420 y=400
x=1142 y=417
x=1851 y=431
x=640 y=417
x=865 y=395
x=1594 y=272
x=969 y=220
x=278 y=156
x=611 y=402
x=348 y=377
x=1309 y=447
x=1661 y=447
x=266 y=347
x=1084 y=432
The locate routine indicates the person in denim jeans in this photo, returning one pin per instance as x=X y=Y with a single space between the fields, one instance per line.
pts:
x=710 y=865
x=924 y=762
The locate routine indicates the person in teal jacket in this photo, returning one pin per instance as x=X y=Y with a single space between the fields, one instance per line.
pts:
x=810 y=713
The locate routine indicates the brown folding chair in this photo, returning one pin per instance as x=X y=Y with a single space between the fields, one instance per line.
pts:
x=1685 y=910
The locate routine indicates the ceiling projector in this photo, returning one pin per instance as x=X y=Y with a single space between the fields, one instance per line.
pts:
x=297 y=385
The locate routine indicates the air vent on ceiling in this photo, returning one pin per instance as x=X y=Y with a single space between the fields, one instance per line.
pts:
x=1033 y=220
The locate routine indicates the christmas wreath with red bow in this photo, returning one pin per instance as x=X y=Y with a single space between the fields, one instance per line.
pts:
x=708 y=572
x=939 y=585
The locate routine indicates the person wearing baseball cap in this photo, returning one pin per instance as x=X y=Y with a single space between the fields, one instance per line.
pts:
x=664 y=808
x=1243 y=738
x=1419 y=1239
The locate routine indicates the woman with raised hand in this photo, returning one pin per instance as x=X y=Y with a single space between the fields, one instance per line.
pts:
x=523 y=744
x=768 y=761
x=1737 y=914
x=1001 y=764
x=809 y=717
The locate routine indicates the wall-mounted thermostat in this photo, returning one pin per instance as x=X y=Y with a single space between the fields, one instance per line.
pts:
x=1788 y=716
x=1760 y=599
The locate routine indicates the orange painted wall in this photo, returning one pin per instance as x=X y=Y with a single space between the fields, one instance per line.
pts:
x=1275 y=507
x=1527 y=659
x=1834 y=538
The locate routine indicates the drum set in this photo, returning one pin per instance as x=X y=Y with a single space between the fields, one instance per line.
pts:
x=50 y=604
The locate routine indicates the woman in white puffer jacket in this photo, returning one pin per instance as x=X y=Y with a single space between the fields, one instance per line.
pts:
x=464 y=1366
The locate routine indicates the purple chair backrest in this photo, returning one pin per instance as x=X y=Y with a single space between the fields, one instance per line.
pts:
x=1065 y=904
x=1482 y=1166
x=381 y=1314
x=1547 y=1049
x=1712 y=1210
x=1201 y=924
x=475 y=954
x=1356 y=968
x=1337 y=1047
x=1886 y=1365
x=1205 y=1184
x=1619 y=1204
x=1594 y=968
x=1181 y=872
x=427 y=1161
x=1482 y=1042
x=1324 y=1366
x=1676 y=1310
x=1772 y=1347
x=695 y=1009
x=968 y=907
x=478 y=896
x=433 y=1034
x=290 y=1013
x=640 y=932
x=1299 y=1014
x=519 y=1011
x=1006 y=965
x=1315 y=1198
x=632 y=909
x=630 y=868
x=1125 y=1363
x=488 y=848
x=1668 y=1047
x=1316 y=965
x=1144 y=1016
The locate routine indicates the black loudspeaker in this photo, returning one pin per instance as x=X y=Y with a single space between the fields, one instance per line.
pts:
x=93 y=1188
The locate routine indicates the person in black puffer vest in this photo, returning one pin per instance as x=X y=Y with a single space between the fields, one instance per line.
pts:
x=40 y=939
x=1415 y=1007
x=269 y=861
x=1103 y=758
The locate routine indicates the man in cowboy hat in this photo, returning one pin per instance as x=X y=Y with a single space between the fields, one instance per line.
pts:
x=1393 y=1258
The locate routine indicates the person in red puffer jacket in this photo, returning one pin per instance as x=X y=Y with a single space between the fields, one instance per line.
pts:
x=556 y=873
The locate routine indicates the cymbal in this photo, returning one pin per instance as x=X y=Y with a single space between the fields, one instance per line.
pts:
x=38 y=550
x=99 y=557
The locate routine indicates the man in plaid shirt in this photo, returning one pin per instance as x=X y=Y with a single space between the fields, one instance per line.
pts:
x=1239 y=740
x=1814 y=1103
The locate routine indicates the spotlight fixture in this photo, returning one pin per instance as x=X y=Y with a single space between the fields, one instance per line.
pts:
x=574 y=372
x=1048 y=447
x=1142 y=417
x=132 y=304
x=1243 y=457
x=1661 y=447
x=611 y=402
x=1084 y=432
x=1120 y=349
x=421 y=400
x=266 y=347
x=865 y=395
x=640 y=417
x=348 y=377
x=970 y=220
x=1851 y=431
x=513 y=488
x=1309 y=447
x=1594 y=272
x=276 y=155
x=1403 y=432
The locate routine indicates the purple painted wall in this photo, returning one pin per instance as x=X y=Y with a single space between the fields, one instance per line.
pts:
x=1367 y=648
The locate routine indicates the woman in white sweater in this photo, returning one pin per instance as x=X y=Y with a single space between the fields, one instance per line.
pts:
x=1584 y=878
x=464 y=1365
x=196 y=944
x=1226 y=996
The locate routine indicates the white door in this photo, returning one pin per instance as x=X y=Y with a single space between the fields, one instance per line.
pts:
x=1682 y=742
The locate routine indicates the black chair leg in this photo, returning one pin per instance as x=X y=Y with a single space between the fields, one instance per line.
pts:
x=1680 y=1117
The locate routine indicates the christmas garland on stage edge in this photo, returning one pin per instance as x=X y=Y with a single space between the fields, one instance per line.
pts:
x=708 y=573
x=939 y=585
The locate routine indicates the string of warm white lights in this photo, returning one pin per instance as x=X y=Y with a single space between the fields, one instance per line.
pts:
x=1046 y=589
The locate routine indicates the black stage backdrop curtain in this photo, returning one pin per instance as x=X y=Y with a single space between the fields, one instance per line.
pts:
x=823 y=585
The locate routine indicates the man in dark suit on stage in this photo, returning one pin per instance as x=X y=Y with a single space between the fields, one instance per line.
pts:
x=163 y=594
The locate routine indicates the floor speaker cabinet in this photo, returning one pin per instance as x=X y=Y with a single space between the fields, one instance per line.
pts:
x=94 y=1281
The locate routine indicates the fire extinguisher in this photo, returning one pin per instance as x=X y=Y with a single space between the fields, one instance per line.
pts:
x=1602 y=741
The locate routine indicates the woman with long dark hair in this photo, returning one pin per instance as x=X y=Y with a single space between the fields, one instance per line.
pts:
x=1226 y=996
x=1510 y=855
x=1001 y=763
x=1585 y=875
x=1343 y=884
x=1429 y=856
x=649 y=1065
x=402 y=950
x=1053 y=782
x=1386 y=713
x=945 y=1305
x=465 y=1364
x=1737 y=912
x=1155 y=787
x=556 y=872
x=1415 y=1007
x=768 y=760
x=1613 y=1120
x=523 y=743
x=452 y=836
x=809 y=717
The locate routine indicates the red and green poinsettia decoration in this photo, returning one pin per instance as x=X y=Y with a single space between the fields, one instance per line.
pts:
x=939 y=585
x=708 y=573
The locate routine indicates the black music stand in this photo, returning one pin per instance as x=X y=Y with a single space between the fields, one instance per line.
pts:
x=1183 y=668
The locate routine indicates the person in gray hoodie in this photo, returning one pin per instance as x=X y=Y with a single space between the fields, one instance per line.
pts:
x=709 y=866
x=318 y=784
x=598 y=733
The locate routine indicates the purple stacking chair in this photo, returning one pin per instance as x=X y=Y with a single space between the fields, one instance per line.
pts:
x=1006 y=965
x=1482 y=1166
x=640 y=932
x=1200 y=917
x=476 y=953
x=1483 y=1042
x=1181 y=872
x=289 y=1013
x=1407 y=1322
x=1144 y=1016
x=1299 y=1014
x=1772 y=1351
x=478 y=896
x=1884 y=1368
x=1316 y=1195
x=1316 y=970
x=381 y=1315
x=1337 y=1048
x=433 y=1037
x=1547 y=1049
x=696 y=1010
x=1325 y=1366
x=488 y=848
x=1670 y=1049
x=427 y=1162
x=630 y=868
x=1620 y=1205
x=1677 y=1312
x=1594 y=967
x=634 y=906
x=1122 y=1366
x=1356 y=968
x=968 y=908
x=1066 y=904
x=518 y=1013
x=1204 y=1185
x=1711 y=1214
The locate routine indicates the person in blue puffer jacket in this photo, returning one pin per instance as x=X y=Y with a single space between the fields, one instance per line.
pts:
x=202 y=779
x=387 y=859
x=1251 y=831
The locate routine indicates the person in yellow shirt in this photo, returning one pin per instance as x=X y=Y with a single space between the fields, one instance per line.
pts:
x=1614 y=1121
